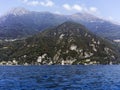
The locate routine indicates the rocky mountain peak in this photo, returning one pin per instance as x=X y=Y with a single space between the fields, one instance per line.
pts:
x=18 y=11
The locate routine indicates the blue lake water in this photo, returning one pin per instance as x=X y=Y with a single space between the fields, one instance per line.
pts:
x=91 y=77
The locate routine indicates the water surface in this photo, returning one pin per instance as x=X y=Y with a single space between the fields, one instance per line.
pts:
x=91 y=77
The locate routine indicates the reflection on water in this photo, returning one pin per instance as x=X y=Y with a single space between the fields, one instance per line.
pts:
x=102 y=77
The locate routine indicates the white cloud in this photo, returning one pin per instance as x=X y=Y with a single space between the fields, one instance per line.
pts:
x=80 y=8
x=72 y=7
x=93 y=9
x=25 y=0
x=77 y=7
x=67 y=6
x=33 y=3
x=46 y=3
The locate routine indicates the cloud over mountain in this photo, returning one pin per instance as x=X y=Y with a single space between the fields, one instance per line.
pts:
x=80 y=8
x=46 y=3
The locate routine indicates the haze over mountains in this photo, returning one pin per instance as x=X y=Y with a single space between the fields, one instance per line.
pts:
x=19 y=23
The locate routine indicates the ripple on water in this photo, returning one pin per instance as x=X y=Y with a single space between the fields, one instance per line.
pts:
x=93 y=77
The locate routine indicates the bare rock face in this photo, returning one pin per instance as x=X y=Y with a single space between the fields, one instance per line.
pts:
x=68 y=43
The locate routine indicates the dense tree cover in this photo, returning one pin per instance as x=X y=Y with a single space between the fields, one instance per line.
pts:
x=69 y=42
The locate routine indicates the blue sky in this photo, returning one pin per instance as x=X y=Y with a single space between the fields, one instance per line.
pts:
x=109 y=9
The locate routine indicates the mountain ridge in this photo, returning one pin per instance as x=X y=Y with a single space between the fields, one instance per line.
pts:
x=23 y=25
x=67 y=43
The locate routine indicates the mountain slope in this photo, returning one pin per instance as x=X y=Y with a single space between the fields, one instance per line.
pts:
x=68 y=43
x=19 y=23
x=98 y=25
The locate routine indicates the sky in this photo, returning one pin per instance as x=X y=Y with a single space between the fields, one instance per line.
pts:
x=108 y=9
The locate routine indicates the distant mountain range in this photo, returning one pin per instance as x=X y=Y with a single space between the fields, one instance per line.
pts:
x=20 y=23
x=68 y=43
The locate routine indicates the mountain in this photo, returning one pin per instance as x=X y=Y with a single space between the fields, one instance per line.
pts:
x=98 y=25
x=68 y=43
x=18 y=11
x=19 y=23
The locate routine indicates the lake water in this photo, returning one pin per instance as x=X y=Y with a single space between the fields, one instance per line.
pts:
x=91 y=77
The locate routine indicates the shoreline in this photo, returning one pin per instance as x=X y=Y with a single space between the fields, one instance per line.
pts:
x=65 y=65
